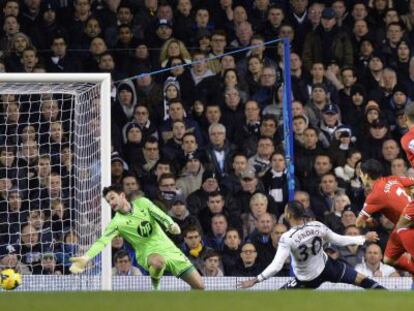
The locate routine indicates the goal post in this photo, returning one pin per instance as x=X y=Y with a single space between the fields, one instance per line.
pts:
x=89 y=101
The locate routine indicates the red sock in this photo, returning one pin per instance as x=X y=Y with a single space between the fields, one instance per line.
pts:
x=407 y=240
x=405 y=263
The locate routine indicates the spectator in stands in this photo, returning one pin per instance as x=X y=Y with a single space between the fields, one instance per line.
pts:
x=142 y=119
x=327 y=42
x=130 y=185
x=31 y=248
x=11 y=27
x=49 y=264
x=9 y=259
x=180 y=214
x=173 y=147
x=151 y=155
x=348 y=216
x=347 y=171
x=215 y=206
x=125 y=103
x=212 y=263
x=321 y=166
x=59 y=219
x=193 y=246
x=390 y=151
x=261 y=160
x=60 y=60
x=216 y=233
x=372 y=266
x=231 y=182
x=261 y=238
x=219 y=150
x=123 y=265
x=18 y=43
x=275 y=180
x=119 y=168
x=277 y=231
x=191 y=176
x=399 y=168
x=167 y=191
x=258 y=206
x=248 y=264
x=352 y=254
x=231 y=250
x=333 y=218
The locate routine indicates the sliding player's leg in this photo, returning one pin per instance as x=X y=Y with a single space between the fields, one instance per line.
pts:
x=156 y=268
x=181 y=267
x=337 y=271
x=405 y=228
x=394 y=254
x=193 y=278
x=365 y=282
x=297 y=284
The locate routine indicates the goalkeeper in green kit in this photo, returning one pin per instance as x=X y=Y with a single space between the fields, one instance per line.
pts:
x=138 y=222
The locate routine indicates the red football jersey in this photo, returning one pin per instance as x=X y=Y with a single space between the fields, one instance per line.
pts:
x=388 y=196
x=407 y=143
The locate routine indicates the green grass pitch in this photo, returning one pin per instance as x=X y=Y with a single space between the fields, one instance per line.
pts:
x=211 y=301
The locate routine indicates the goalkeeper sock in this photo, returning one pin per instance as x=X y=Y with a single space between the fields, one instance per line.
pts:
x=407 y=240
x=405 y=263
x=367 y=283
x=156 y=275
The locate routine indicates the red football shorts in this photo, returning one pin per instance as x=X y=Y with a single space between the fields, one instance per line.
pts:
x=394 y=248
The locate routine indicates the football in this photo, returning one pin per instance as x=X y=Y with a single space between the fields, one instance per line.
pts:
x=10 y=279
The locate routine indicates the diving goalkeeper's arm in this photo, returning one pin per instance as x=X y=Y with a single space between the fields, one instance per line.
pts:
x=79 y=263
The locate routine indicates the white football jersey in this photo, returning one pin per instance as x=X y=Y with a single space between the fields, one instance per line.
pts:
x=305 y=245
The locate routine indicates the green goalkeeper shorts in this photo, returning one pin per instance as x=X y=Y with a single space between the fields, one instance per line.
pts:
x=176 y=262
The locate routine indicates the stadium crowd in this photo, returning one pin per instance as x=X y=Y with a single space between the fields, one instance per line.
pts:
x=205 y=142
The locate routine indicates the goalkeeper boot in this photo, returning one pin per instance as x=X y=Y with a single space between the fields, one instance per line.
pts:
x=155 y=283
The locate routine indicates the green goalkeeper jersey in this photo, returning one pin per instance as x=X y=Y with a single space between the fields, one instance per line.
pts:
x=141 y=228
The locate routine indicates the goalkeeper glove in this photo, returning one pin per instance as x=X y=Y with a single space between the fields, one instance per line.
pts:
x=174 y=229
x=78 y=264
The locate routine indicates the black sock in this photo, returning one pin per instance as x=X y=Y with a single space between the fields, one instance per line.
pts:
x=370 y=284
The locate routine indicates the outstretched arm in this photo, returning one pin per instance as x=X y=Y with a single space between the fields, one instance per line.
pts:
x=79 y=263
x=275 y=266
x=344 y=240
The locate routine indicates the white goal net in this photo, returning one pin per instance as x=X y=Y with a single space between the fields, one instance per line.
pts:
x=54 y=161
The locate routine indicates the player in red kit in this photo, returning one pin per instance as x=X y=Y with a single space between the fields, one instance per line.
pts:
x=407 y=141
x=389 y=197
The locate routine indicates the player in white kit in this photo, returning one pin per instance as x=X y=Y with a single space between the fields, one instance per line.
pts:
x=311 y=265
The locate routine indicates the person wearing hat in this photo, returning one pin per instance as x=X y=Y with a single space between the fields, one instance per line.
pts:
x=197 y=201
x=10 y=259
x=190 y=178
x=118 y=168
x=353 y=113
x=181 y=216
x=318 y=100
x=329 y=124
x=397 y=102
x=371 y=144
x=251 y=184
x=126 y=100
x=327 y=42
